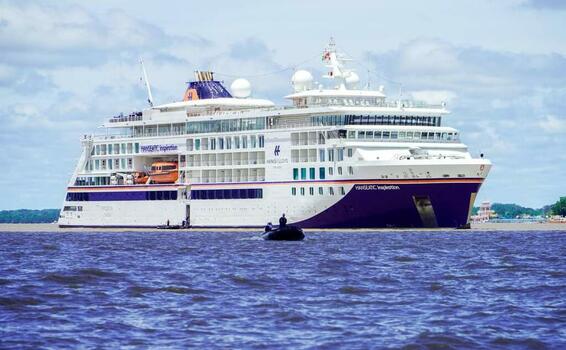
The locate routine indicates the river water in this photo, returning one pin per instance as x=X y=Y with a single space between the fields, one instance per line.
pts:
x=418 y=290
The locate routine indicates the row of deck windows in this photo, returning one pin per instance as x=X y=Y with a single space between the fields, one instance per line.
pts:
x=392 y=120
x=245 y=193
x=327 y=120
x=92 y=181
x=115 y=148
x=229 y=125
x=311 y=191
x=227 y=142
x=403 y=135
x=121 y=196
x=310 y=155
x=261 y=123
x=109 y=164
x=301 y=173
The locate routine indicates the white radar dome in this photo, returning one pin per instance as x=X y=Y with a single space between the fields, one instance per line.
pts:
x=353 y=79
x=302 y=80
x=241 y=88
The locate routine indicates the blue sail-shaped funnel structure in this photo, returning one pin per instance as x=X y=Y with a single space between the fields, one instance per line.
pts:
x=205 y=88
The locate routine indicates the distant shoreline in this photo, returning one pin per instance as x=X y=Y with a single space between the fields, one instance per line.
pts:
x=475 y=227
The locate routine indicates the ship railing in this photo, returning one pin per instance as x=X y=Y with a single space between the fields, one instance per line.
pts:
x=132 y=117
x=405 y=140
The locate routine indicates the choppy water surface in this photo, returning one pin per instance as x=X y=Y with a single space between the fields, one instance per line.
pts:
x=450 y=289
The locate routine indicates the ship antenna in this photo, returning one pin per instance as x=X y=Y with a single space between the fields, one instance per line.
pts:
x=146 y=80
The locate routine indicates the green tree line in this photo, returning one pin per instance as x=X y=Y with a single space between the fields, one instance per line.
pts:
x=511 y=211
x=27 y=216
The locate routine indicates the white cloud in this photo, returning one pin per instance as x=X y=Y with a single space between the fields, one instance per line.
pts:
x=429 y=56
x=434 y=96
x=552 y=124
x=39 y=34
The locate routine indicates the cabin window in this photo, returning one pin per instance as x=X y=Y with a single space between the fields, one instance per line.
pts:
x=136 y=147
x=330 y=171
x=321 y=174
x=293 y=191
x=394 y=134
x=321 y=139
x=303 y=173
x=350 y=152
x=220 y=143
x=311 y=191
x=330 y=155
x=302 y=191
x=331 y=191
x=350 y=170
x=116 y=163
x=321 y=154
x=253 y=141
x=351 y=134
x=320 y=191
x=295 y=173
x=342 y=191
x=340 y=154
x=369 y=134
x=244 y=142
x=385 y=134
x=339 y=170
x=312 y=173
x=377 y=135
x=361 y=134
x=261 y=141
x=237 y=142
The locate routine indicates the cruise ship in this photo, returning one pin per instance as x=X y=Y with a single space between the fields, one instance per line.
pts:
x=337 y=156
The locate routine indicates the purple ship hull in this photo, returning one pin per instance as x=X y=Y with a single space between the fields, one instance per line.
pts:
x=399 y=205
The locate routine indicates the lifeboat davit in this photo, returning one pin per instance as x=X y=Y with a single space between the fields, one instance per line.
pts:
x=164 y=172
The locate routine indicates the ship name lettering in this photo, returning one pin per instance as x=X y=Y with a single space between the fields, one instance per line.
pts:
x=377 y=187
x=158 y=148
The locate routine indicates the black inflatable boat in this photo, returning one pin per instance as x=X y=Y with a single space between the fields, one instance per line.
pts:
x=287 y=233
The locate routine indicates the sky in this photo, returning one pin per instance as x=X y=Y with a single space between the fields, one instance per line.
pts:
x=67 y=66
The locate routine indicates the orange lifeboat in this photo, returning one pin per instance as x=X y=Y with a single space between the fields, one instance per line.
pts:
x=140 y=178
x=164 y=172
